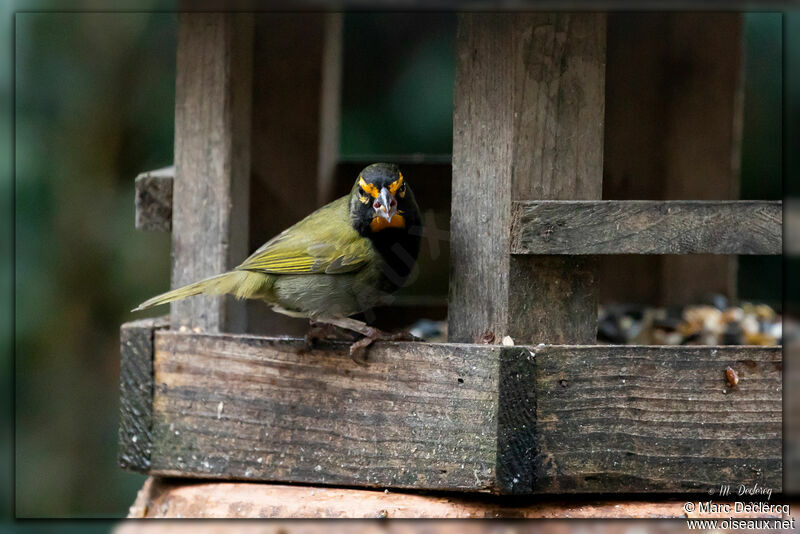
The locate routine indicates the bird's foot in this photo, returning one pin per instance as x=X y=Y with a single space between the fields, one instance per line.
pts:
x=318 y=331
x=358 y=350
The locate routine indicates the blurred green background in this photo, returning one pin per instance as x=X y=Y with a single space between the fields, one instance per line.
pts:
x=94 y=106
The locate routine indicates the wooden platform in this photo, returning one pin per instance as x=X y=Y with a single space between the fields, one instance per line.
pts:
x=541 y=419
x=170 y=498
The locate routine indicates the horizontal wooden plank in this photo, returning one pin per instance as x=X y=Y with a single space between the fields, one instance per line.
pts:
x=658 y=418
x=646 y=227
x=154 y=200
x=170 y=498
x=519 y=420
x=256 y=408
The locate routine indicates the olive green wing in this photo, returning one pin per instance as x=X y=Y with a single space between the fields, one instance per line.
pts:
x=323 y=242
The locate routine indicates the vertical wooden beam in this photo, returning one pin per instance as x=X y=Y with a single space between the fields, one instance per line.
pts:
x=212 y=161
x=528 y=125
x=633 y=160
x=330 y=105
x=136 y=387
x=673 y=129
x=702 y=139
x=295 y=132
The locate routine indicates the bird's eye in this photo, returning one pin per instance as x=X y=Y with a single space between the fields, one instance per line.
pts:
x=402 y=191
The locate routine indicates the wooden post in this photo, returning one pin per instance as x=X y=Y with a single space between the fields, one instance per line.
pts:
x=330 y=105
x=674 y=106
x=295 y=132
x=528 y=125
x=136 y=388
x=212 y=161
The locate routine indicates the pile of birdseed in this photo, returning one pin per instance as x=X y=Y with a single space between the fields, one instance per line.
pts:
x=745 y=324
x=703 y=324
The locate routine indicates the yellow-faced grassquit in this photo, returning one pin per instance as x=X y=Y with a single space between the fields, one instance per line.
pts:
x=343 y=259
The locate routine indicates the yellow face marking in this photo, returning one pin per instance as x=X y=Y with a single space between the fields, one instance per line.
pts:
x=397 y=184
x=368 y=188
x=379 y=223
x=364 y=200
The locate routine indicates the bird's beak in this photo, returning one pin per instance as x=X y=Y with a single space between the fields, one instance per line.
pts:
x=385 y=205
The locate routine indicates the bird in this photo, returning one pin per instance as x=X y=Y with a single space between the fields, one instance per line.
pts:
x=343 y=259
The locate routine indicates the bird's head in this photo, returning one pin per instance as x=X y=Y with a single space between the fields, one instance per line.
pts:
x=380 y=198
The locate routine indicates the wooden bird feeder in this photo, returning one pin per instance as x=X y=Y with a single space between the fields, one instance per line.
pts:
x=574 y=142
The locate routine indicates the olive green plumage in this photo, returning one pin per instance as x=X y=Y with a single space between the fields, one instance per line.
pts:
x=344 y=258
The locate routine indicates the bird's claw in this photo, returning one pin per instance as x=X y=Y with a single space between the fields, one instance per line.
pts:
x=358 y=350
x=319 y=331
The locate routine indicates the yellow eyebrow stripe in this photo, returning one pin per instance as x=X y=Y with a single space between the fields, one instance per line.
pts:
x=369 y=188
x=394 y=186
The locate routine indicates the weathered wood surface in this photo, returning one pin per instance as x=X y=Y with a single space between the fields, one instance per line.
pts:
x=169 y=498
x=673 y=132
x=512 y=420
x=792 y=418
x=706 y=98
x=290 y=112
x=646 y=227
x=253 y=408
x=212 y=161
x=136 y=392
x=330 y=105
x=527 y=124
x=658 y=419
x=154 y=200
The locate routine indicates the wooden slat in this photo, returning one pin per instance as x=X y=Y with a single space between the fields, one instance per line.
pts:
x=253 y=408
x=513 y=420
x=658 y=419
x=792 y=418
x=294 y=134
x=673 y=132
x=136 y=393
x=165 y=498
x=528 y=124
x=705 y=95
x=154 y=200
x=212 y=161
x=646 y=227
x=330 y=105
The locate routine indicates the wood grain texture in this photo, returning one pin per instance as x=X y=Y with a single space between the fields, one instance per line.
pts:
x=673 y=127
x=169 y=498
x=136 y=393
x=510 y=420
x=330 y=105
x=657 y=419
x=239 y=407
x=792 y=419
x=528 y=124
x=647 y=227
x=212 y=161
x=704 y=59
x=517 y=435
x=154 y=200
x=288 y=131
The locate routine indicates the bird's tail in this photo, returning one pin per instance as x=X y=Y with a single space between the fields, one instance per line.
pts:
x=241 y=284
